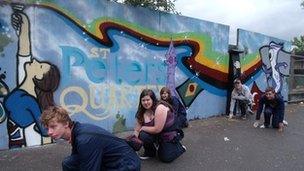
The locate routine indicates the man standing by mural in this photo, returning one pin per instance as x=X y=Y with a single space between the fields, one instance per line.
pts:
x=36 y=82
x=241 y=99
x=274 y=107
x=93 y=148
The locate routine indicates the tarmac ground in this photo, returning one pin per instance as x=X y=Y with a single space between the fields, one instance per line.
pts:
x=212 y=144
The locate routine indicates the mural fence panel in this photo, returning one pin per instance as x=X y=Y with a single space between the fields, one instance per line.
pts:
x=94 y=57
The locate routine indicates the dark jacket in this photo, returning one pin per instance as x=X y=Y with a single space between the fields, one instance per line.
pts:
x=277 y=105
x=98 y=149
x=178 y=107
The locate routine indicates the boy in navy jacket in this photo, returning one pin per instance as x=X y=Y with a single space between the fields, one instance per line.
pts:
x=274 y=107
x=93 y=148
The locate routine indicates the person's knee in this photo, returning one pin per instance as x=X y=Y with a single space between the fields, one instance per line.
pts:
x=275 y=124
x=168 y=152
x=145 y=137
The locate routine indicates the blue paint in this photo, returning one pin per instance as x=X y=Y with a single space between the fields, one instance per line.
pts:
x=120 y=70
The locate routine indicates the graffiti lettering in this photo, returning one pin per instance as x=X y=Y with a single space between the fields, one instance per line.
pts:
x=107 y=99
x=120 y=70
x=99 y=52
x=82 y=108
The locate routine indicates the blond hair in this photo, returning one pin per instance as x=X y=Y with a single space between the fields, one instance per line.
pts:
x=55 y=112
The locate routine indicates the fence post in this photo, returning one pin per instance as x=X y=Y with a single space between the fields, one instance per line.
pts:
x=234 y=71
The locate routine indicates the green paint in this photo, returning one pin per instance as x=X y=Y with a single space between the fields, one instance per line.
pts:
x=120 y=124
x=247 y=59
x=217 y=57
x=4 y=41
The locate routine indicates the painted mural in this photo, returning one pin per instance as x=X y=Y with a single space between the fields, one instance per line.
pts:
x=94 y=58
x=265 y=62
x=96 y=63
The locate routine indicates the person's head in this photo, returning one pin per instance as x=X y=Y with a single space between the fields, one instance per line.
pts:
x=270 y=93
x=165 y=94
x=237 y=83
x=147 y=101
x=36 y=69
x=46 y=78
x=58 y=122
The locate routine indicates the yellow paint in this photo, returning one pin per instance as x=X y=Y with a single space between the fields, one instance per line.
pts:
x=115 y=100
x=245 y=67
x=200 y=58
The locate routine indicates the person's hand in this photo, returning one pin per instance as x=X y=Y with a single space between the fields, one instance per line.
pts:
x=16 y=20
x=19 y=20
x=256 y=124
x=141 y=129
x=136 y=133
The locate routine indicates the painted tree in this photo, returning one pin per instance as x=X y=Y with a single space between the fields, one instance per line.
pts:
x=159 y=5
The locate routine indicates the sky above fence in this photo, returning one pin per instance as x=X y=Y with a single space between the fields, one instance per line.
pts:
x=278 y=18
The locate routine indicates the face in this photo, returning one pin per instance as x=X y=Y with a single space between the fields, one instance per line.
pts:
x=270 y=95
x=238 y=85
x=164 y=96
x=37 y=69
x=58 y=130
x=146 y=102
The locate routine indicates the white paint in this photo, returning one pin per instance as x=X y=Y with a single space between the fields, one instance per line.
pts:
x=32 y=137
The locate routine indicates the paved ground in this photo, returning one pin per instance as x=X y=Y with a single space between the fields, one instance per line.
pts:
x=212 y=144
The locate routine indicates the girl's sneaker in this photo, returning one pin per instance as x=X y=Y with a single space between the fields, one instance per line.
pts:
x=144 y=157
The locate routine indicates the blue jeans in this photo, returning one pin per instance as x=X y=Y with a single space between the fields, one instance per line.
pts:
x=167 y=151
x=276 y=118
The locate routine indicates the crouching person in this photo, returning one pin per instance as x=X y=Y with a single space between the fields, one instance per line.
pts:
x=180 y=111
x=93 y=148
x=164 y=136
x=241 y=99
x=274 y=107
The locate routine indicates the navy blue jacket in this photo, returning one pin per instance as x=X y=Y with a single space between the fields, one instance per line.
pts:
x=277 y=105
x=98 y=149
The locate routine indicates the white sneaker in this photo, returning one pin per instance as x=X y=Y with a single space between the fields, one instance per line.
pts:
x=255 y=124
x=262 y=126
x=285 y=123
x=184 y=147
x=144 y=157
x=230 y=116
